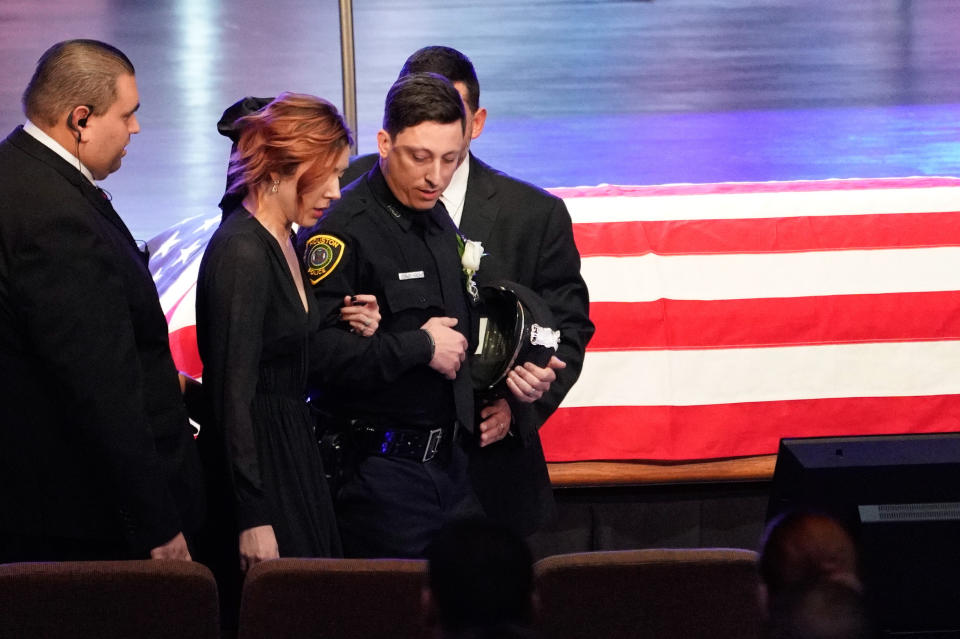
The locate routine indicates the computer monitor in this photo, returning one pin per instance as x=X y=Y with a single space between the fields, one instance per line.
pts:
x=900 y=497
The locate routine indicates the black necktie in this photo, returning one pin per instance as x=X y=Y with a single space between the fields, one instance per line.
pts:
x=441 y=215
x=452 y=287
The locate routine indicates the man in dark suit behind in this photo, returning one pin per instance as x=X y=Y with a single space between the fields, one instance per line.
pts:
x=97 y=459
x=527 y=238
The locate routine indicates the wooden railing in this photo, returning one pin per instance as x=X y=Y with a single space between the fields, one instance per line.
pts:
x=625 y=473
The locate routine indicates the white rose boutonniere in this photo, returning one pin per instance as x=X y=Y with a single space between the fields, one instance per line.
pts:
x=470 y=254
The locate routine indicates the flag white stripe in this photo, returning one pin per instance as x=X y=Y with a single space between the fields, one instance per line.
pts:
x=743 y=276
x=722 y=376
x=186 y=279
x=726 y=206
x=186 y=312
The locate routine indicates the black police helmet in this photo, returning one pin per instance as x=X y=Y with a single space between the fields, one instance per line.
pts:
x=515 y=327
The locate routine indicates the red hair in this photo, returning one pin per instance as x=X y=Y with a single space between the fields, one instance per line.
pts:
x=292 y=130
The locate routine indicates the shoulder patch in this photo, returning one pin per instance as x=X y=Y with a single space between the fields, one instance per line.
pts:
x=321 y=256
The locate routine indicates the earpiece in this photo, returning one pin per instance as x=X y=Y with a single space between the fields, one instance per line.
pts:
x=81 y=123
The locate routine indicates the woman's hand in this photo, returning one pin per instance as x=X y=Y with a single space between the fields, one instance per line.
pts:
x=257 y=544
x=362 y=313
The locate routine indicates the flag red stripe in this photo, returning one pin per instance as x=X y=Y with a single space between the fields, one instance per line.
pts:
x=183 y=347
x=835 y=319
x=732 y=430
x=615 y=190
x=768 y=235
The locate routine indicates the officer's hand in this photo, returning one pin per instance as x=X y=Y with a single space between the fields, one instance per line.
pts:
x=362 y=313
x=529 y=382
x=257 y=544
x=497 y=417
x=449 y=346
x=176 y=548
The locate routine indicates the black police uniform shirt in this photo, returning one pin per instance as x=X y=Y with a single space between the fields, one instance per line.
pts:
x=371 y=243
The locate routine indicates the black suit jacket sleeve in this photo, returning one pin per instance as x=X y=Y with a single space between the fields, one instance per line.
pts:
x=77 y=316
x=557 y=280
x=528 y=234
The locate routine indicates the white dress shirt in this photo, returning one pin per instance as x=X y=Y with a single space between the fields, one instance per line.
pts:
x=40 y=136
x=456 y=192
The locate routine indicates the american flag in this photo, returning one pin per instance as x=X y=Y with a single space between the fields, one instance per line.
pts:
x=731 y=315
x=174 y=262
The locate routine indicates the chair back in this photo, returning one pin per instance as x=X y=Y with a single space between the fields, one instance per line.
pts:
x=664 y=594
x=162 y=599
x=333 y=598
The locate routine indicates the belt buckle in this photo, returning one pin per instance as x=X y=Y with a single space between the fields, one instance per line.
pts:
x=433 y=444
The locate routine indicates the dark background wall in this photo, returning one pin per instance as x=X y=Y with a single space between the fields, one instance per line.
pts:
x=580 y=92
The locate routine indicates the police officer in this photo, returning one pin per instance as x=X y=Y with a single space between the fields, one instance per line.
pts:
x=402 y=398
x=510 y=218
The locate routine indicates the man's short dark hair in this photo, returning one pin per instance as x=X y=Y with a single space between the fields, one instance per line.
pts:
x=72 y=73
x=421 y=97
x=449 y=63
x=480 y=575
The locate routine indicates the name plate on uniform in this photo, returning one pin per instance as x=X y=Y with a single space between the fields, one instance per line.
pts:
x=412 y=275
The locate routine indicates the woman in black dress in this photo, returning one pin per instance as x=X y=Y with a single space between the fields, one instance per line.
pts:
x=254 y=320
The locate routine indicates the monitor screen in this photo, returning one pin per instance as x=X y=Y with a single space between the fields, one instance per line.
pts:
x=900 y=497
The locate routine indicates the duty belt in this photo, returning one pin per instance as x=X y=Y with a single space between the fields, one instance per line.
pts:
x=408 y=443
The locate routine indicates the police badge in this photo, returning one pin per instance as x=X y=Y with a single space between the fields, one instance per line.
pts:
x=321 y=256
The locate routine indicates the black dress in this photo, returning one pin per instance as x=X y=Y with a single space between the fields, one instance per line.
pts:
x=253 y=336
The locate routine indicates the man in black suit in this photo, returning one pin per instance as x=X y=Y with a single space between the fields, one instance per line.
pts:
x=527 y=238
x=97 y=459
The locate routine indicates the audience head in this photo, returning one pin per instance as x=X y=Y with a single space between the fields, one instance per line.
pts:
x=294 y=150
x=802 y=548
x=84 y=95
x=421 y=139
x=458 y=69
x=824 y=610
x=480 y=580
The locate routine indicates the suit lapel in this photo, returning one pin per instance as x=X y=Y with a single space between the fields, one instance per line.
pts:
x=480 y=207
x=29 y=145
x=96 y=197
